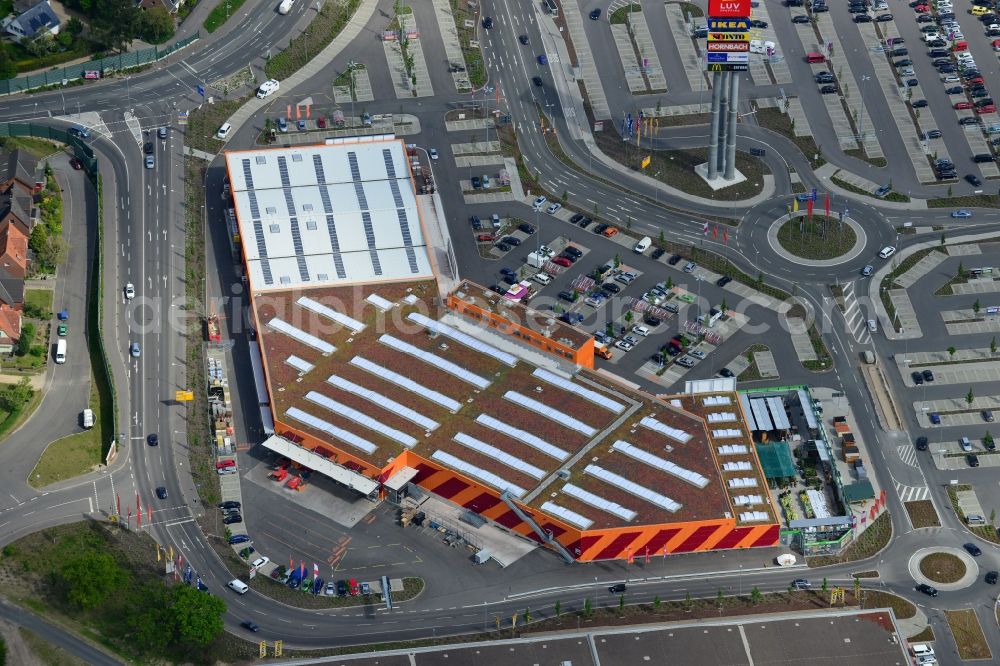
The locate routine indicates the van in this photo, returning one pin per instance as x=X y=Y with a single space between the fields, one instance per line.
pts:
x=761 y=46
x=975 y=519
x=868 y=357
x=961 y=46
x=224 y=131
x=238 y=586
x=993 y=129
x=965 y=444
x=537 y=260
x=887 y=252
x=922 y=649
x=542 y=278
x=285 y=6
x=61 y=351
x=671 y=308
x=813 y=58
x=642 y=245
x=979 y=10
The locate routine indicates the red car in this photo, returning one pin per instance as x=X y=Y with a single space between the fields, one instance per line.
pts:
x=962 y=105
x=562 y=261
x=921 y=9
x=989 y=108
x=75 y=163
x=486 y=238
x=321 y=122
x=352 y=584
x=976 y=81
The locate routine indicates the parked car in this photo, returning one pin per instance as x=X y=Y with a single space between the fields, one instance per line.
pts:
x=928 y=375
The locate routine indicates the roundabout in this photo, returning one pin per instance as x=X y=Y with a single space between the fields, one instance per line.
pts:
x=819 y=242
x=945 y=568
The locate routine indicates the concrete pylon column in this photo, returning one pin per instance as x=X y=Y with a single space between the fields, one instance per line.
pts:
x=723 y=107
x=734 y=95
x=713 y=141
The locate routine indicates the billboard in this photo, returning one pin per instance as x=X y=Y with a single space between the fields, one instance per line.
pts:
x=729 y=36
x=724 y=24
x=728 y=47
x=727 y=57
x=729 y=8
x=728 y=67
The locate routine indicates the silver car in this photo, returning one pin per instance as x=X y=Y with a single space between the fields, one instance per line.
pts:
x=150 y=161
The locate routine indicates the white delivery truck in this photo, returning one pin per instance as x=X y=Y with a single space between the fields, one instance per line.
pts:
x=537 y=260
x=285 y=6
x=643 y=245
x=61 y=351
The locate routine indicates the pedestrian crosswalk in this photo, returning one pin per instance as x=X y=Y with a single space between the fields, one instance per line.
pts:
x=907 y=454
x=912 y=493
x=854 y=317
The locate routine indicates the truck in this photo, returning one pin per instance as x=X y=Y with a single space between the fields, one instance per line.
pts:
x=285 y=6
x=537 y=259
x=602 y=351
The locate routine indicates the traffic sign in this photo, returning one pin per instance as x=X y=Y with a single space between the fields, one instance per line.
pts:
x=183 y=396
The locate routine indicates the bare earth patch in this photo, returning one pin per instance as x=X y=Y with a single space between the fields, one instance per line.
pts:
x=942 y=567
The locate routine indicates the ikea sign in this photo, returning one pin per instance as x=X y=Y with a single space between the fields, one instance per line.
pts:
x=728 y=25
x=729 y=8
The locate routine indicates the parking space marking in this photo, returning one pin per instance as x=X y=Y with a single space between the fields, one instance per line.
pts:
x=585 y=59
x=691 y=61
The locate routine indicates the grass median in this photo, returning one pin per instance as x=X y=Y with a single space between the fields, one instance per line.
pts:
x=968 y=634
x=74 y=454
x=221 y=13
x=324 y=27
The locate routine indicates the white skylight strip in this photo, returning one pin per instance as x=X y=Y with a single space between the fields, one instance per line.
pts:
x=633 y=488
x=379 y=302
x=361 y=419
x=330 y=429
x=329 y=313
x=493 y=452
x=436 y=361
x=727 y=432
x=462 y=338
x=548 y=412
x=382 y=401
x=522 y=435
x=299 y=364
x=406 y=383
x=737 y=466
x=664 y=429
x=569 y=516
x=733 y=450
x=721 y=417
x=656 y=462
x=475 y=472
x=743 y=482
x=599 y=502
x=748 y=500
x=716 y=400
x=585 y=393
x=754 y=517
x=300 y=335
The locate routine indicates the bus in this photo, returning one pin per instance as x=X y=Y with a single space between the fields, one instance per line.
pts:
x=61 y=351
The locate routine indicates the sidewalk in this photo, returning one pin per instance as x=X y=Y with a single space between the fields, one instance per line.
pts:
x=315 y=66
x=826 y=173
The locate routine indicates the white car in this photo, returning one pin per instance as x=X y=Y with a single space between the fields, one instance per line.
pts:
x=887 y=252
x=433 y=153
x=268 y=88
x=697 y=353
x=546 y=250
x=638 y=329
x=624 y=346
x=551 y=210
x=963 y=55
x=539 y=202
x=260 y=561
x=993 y=26
x=907 y=71
x=872 y=325
x=950 y=78
x=129 y=291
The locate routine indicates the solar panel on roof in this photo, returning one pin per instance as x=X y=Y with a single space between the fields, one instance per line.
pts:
x=331 y=314
x=299 y=364
x=522 y=435
x=462 y=338
x=656 y=462
x=300 y=335
x=436 y=361
x=548 y=412
x=324 y=195
x=571 y=517
x=482 y=447
x=362 y=419
x=662 y=428
x=486 y=477
x=599 y=502
x=585 y=393
x=332 y=430
x=632 y=488
x=382 y=401
x=406 y=383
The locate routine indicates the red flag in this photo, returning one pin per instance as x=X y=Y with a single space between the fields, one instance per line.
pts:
x=137 y=500
x=664 y=552
x=138 y=518
x=882 y=496
x=715 y=232
x=291 y=564
x=315 y=570
x=149 y=514
x=864 y=518
x=809 y=208
x=631 y=556
x=827 y=204
x=704 y=229
x=725 y=236
x=871 y=513
x=647 y=554
x=118 y=503
x=302 y=568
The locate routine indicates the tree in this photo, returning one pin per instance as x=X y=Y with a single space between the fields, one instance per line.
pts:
x=565 y=197
x=24 y=342
x=976 y=307
x=115 y=23
x=527 y=615
x=723 y=306
x=755 y=596
x=961 y=270
x=993 y=345
x=993 y=515
x=618 y=260
x=826 y=586
x=663 y=238
x=942 y=239
x=587 y=607
x=8 y=69
x=74 y=27
x=628 y=316
x=951 y=351
x=760 y=279
x=86 y=580
x=157 y=25
x=628 y=222
x=16 y=396
x=687 y=599
x=656 y=601
x=196 y=616
x=558 y=608
x=969 y=397
x=670 y=283
x=857 y=588
x=53 y=252
x=621 y=602
x=40 y=45
x=719 y=597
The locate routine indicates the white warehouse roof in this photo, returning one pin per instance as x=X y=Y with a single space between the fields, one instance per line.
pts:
x=327 y=214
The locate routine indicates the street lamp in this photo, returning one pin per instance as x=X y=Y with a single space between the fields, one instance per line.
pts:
x=656 y=188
